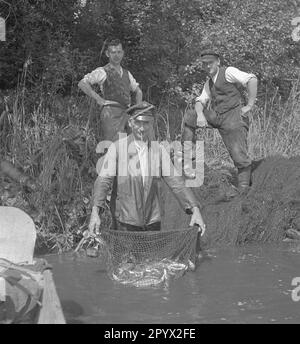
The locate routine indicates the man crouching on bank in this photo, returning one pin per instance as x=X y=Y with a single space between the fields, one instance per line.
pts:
x=135 y=205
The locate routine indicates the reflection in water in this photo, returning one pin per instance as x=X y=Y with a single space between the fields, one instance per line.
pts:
x=243 y=285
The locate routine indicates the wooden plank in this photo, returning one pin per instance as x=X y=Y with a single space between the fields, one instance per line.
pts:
x=51 y=310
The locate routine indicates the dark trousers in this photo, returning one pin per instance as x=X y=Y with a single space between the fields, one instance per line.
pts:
x=233 y=128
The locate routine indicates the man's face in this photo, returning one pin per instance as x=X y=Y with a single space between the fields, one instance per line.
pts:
x=210 y=65
x=115 y=54
x=141 y=129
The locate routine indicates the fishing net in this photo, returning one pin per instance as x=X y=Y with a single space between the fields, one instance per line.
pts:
x=269 y=212
x=147 y=259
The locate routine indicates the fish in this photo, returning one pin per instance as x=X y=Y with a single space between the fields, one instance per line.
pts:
x=148 y=274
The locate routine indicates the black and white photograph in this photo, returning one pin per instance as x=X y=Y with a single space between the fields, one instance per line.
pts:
x=149 y=164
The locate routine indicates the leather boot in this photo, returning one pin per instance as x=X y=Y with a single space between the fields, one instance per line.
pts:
x=228 y=194
x=244 y=176
x=186 y=162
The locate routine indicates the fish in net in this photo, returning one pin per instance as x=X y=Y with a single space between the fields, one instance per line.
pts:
x=145 y=259
x=148 y=259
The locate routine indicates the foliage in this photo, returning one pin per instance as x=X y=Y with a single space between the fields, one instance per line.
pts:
x=59 y=41
x=50 y=46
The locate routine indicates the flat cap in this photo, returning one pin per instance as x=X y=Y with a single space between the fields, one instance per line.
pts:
x=143 y=109
x=209 y=54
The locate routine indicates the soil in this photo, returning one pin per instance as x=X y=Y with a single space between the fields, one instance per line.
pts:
x=269 y=212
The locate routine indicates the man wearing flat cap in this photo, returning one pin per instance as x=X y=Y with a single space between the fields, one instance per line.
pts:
x=128 y=166
x=220 y=105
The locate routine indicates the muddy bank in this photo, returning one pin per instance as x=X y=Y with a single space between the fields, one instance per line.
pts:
x=270 y=212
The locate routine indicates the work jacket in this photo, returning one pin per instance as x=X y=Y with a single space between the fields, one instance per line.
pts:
x=136 y=201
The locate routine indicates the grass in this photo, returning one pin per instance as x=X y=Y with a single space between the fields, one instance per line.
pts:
x=52 y=139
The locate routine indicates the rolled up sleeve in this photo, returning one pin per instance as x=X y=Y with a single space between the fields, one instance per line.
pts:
x=105 y=178
x=97 y=76
x=234 y=75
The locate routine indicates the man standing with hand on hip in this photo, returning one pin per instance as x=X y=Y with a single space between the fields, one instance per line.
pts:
x=116 y=85
x=220 y=106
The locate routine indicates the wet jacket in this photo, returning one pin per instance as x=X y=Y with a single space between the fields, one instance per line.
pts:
x=134 y=202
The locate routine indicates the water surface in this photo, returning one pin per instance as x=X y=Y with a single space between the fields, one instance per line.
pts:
x=250 y=284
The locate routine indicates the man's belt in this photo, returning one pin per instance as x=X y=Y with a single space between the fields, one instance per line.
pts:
x=117 y=105
x=222 y=113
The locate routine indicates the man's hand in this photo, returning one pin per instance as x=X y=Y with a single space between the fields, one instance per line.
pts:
x=246 y=109
x=201 y=121
x=95 y=222
x=197 y=220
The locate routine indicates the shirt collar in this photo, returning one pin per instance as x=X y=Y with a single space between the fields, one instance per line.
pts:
x=214 y=79
x=140 y=145
x=121 y=69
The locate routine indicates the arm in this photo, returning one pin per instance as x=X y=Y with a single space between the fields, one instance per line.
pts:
x=138 y=95
x=184 y=195
x=102 y=186
x=87 y=89
x=252 y=91
x=187 y=200
x=248 y=80
x=135 y=88
x=200 y=104
x=97 y=76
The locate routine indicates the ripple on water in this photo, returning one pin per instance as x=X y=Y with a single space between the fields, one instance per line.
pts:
x=246 y=285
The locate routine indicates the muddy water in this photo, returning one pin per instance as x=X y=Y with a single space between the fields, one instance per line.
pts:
x=243 y=285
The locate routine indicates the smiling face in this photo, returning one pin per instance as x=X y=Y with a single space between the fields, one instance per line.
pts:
x=115 y=53
x=210 y=64
x=141 y=127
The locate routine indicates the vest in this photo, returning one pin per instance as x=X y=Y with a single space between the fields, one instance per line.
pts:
x=117 y=87
x=225 y=96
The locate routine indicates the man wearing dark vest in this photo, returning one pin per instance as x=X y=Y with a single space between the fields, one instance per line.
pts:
x=220 y=105
x=116 y=85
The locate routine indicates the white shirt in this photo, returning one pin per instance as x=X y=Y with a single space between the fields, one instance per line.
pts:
x=108 y=163
x=232 y=75
x=142 y=149
x=98 y=76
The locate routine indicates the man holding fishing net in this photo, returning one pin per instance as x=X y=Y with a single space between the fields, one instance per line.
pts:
x=136 y=251
x=220 y=106
x=136 y=206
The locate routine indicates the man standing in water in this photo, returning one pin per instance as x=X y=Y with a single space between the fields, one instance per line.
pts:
x=220 y=106
x=116 y=85
x=136 y=206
